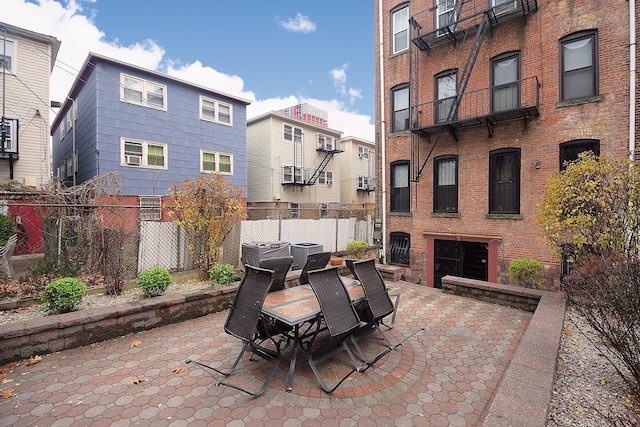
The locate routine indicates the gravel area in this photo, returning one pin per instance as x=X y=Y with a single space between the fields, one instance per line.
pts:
x=588 y=391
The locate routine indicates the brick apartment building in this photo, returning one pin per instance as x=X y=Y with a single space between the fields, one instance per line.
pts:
x=478 y=103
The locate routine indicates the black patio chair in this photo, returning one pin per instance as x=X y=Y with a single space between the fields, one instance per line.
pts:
x=245 y=323
x=281 y=267
x=315 y=261
x=378 y=306
x=339 y=318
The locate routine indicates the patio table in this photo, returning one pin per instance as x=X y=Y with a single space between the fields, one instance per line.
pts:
x=295 y=307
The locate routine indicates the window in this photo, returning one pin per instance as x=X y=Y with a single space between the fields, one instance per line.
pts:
x=579 y=66
x=400 y=25
x=150 y=208
x=63 y=126
x=289 y=173
x=363 y=152
x=445 y=184
x=324 y=210
x=211 y=161
x=325 y=178
x=144 y=154
x=446 y=84
x=69 y=119
x=215 y=111
x=569 y=151
x=11 y=136
x=503 y=6
x=505 y=86
x=8 y=56
x=364 y=183
x=292 y=133
x=142 y=92
x=400 y=195
x=504 y=181
x=446 y=15
x=294 y=210
x=326 y=143
x=400 y=99
x=400 y=245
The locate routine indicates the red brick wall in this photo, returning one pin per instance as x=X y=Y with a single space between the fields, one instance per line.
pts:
x=537 y=39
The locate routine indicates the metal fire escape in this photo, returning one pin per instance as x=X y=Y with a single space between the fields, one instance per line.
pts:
x=329 y=154
x=481 y=22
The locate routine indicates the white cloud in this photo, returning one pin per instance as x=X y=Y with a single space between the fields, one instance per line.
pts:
x=74 y=27
x=300 y=24
x=339 y=75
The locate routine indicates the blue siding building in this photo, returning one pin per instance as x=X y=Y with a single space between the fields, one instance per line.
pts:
x=152 y=128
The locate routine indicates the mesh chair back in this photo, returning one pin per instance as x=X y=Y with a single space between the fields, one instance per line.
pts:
x=374 y=288
x=280 y=267
x=315 y=261
x=335 y=302
x=244 y=314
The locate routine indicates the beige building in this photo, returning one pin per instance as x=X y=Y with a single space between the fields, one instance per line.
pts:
x=292 y=165
x=27 y=59
x=357 y=168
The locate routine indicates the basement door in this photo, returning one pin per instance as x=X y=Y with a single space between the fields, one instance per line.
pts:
x=464 y=259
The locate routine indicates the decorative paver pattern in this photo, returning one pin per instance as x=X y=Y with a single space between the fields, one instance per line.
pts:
x=444 y=376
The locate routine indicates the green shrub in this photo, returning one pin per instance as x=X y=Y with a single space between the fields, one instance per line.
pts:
x=154 y=281
x=527 y=272
x=45 y=271
x=221 y=274
x=357 y=248
x=63 y=295
x=7 y=228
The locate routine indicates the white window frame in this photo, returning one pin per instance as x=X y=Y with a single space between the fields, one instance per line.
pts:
x=324 y=210
x=62 y=127
x=216 y=117
x=144 y=155
x=294 y=210
x=363 y=152
x=11 y=136
x=326 y=142
x=363 y=183
x=145 y=90
x=69 y=118
x=503 y=6
x=12 y=49
x=150 y=208
x=403 y=26
x=294 y=135
x=294 y=172
x=325 y=178
x=442 y=9
x=217 y=162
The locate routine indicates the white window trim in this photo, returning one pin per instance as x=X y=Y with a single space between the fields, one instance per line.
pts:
x=325 y=142
x=14 y=56
x=216 y=161
x=326 y=178
x=293 y=133
x=62 y=127
x=217 y=105
x=145 y=154
x=294 y=210
x=324 y=210
x=293 y=170
x=363 y=152
x=12 y=135
x=145 y=83
x=394 y=32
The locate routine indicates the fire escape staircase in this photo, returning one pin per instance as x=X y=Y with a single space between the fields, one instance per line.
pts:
x=323 y=164
x=481 y=34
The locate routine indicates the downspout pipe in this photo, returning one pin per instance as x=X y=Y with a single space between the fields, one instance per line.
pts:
x=382 y=136
x=632 y=79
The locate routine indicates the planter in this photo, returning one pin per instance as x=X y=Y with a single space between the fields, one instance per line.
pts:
x=336 y=261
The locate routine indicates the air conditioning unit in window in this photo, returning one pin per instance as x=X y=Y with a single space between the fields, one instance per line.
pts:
x=133 y=160
x=361 y=155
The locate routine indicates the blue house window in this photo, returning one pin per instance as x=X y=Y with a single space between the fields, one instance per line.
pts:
x=142 y=92
x=138 y=153
x=211 y=161
x=216 y=111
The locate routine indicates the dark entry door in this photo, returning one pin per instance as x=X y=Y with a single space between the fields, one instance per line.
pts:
x=465 y=259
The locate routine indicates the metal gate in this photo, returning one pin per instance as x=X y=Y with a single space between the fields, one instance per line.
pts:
x=464 y=259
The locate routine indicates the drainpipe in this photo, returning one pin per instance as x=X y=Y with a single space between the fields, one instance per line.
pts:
x=632 y=79
x=383 y=137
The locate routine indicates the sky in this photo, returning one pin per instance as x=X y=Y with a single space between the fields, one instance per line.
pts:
x=275 y=53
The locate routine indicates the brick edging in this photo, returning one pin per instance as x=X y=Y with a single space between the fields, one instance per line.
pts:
x=524 y=393
x=21 y=340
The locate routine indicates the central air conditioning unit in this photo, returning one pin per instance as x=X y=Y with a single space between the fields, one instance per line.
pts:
x=133 y=160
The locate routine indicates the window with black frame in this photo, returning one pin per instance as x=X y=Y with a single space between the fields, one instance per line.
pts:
x=400 y=108
x=569 y=151
x=399 y=183
x=400 y=245
x=505 y=82
x=579 y=62
x=445 y=184
x=504 y=181
x=446 y=86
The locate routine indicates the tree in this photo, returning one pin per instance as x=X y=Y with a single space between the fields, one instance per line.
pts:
x=206 y=208
x=592 y=207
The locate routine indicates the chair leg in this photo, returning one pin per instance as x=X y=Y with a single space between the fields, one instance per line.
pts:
x=315 y=361
x=395 y=311
x=263 y=353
